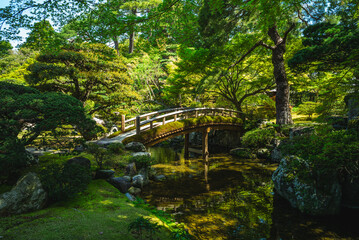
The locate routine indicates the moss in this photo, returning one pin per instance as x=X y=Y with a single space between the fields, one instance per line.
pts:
x=100 y=212
x=182 y=124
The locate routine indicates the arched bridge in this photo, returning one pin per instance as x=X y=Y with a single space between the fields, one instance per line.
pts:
x=155 y=127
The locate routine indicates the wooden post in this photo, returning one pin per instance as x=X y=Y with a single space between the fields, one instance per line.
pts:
x=196 y=113
x=151 y=125
x=148 y=118
x=213 y=113
x=186 y=146
x=175 y=118
x=205 y=152
x=123 y=119
x=164 y=121
x=138 y=127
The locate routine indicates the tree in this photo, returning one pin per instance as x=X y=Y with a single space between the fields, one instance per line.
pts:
x=92 y=73
x=5 y=47
x=274 y=19
x=25 y=113
x=43 y=37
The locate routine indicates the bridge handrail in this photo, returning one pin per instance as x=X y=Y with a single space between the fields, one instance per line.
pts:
x=172 y=112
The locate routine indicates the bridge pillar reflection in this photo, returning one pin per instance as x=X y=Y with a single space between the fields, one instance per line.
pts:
x=205 y=153
x=186 y=146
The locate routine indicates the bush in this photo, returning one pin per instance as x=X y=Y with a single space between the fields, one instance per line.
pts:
x=327 y=151
x=116 y=148
x=143 y=161
x=99 y=153
x=63 y=181
x=258 y=138
x=354 y=124
x=308 y=108
x=143 y=228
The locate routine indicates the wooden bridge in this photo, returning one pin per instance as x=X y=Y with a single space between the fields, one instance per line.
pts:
x=147 y=129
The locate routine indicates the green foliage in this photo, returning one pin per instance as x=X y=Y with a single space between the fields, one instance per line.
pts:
x=308 y=108
x=64 y=181
x=26 y=113
x=43 y=37
x=92 y=73
x=5 y=47
x=143 y=161
x=327 y=151
x=100 y=153
x=354 y=124
x=258 y=138
x=143 y=228
x=116 y=148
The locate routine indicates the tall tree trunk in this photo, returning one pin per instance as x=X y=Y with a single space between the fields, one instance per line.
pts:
x=132 y=35
x=283 y=114
x=115 y=41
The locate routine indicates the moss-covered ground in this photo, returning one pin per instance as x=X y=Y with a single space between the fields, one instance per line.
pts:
x=101 y=212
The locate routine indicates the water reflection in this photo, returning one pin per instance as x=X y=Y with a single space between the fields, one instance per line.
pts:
x=233 y=199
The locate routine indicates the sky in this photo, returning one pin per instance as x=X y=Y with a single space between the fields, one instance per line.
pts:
x=23 y=32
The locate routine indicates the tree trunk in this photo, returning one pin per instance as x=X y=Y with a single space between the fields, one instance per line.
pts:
x=283 y=114
x=132 y=35
x=115 y=41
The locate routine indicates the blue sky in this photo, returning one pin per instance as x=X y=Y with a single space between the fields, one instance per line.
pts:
x=23 y=32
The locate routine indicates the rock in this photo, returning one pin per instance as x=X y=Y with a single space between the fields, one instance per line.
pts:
x=130 y=197
x=82 y=161
x=141 y=154
x=276 y=155
x=136 y=147
x=145 y=174
x=300 y=131
x=128 y=178
x=138 y=181
x=104 y=174
x=134 y=191
x=120 y=183
x=242 y=153
x=131 y=169
x=275 y=142
x=303 y=192
x=263 y=153
x=160 y=178
x=27 y=195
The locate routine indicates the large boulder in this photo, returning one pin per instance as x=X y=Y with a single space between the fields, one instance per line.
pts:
x=294 y=181
x=120 y=183
x=27 y=195
x=104 y=174
x=263 y=153
x=136 y=147
x=82 y=161
x=131 y=170
x=138 y=181
x=300 y=131
x=276 y=155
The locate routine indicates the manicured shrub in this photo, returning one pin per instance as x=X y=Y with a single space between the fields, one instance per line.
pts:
x=143 y=161
x=63 y=181
x=116 y=148
x=258 y=138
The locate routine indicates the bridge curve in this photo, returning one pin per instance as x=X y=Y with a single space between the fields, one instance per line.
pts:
x=154 y=127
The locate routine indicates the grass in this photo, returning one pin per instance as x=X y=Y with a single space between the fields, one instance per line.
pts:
x=182 y=124
x=101 y=212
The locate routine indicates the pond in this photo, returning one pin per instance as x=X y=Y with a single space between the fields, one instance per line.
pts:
x=234 y=199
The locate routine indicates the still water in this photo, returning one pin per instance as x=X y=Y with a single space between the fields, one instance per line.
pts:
x=234 y=199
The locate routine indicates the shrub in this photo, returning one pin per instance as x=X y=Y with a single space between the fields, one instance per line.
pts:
x=99 y=153
x=354 y=124
x=143 y=161
x=308 y=108
x=258 y=138
x=62 y=181
x=116 y=148
x=141 y=226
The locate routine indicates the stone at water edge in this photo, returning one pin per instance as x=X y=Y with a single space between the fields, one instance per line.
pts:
x=135 y=146
x=263 y=153
x=304 y=195
x=131 y=169
x=130 y=197
x=160 y=178
x=276 y=155
x=27 y=195
x=134 y=191
x=138 y=181
x=120 y=183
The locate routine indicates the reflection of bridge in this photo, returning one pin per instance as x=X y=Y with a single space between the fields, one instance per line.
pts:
x=147 y=128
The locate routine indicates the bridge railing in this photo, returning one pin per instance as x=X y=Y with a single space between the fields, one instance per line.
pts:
x=171 y=115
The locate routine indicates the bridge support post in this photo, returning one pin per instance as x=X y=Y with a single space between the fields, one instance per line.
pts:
x=205 y=153
x=138 y=127
x=186 y=146
x=123 y=119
